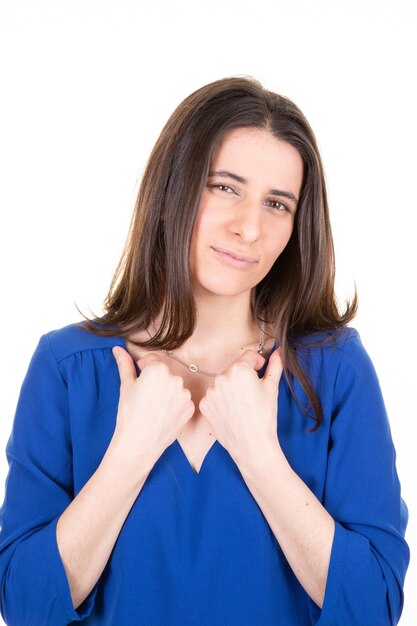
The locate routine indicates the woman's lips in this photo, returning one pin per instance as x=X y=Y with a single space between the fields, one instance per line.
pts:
x=227 y=259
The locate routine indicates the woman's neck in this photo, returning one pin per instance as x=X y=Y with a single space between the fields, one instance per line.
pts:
x=220 y=330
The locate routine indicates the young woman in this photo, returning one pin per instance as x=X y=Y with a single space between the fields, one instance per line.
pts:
x=215 y=448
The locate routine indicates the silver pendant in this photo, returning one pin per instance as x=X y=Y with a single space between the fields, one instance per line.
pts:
x=193 y=368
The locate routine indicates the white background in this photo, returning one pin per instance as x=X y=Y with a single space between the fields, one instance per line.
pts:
x=85 y=90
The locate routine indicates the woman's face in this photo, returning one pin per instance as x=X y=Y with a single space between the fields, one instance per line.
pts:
x=248 y=207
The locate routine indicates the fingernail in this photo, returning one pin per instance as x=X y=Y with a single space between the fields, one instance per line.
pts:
x=116 y=351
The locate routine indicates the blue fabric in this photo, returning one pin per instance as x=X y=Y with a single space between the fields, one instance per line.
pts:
x=196 y=548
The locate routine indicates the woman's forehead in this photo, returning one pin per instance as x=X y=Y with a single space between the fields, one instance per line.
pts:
x=253 y=154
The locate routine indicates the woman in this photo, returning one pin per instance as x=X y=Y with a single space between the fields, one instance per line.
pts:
x=215 y=448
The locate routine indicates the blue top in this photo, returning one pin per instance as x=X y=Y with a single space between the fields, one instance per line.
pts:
x=196 y=548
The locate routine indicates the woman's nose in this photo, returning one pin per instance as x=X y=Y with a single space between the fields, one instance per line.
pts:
x=247 y=221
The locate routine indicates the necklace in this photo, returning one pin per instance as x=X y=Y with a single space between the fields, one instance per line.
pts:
x=195 y=369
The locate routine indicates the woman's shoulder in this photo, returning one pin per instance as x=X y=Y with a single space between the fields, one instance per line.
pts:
x=324 y=353
x=326 y=342
x=339 y=355
x=75 y=338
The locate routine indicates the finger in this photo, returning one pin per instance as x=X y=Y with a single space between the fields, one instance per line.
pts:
x=147 y=359
x=125 y=364
x=274 y=369
x=252 y=358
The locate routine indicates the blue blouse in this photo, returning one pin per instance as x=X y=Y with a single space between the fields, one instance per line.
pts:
x=195 y=547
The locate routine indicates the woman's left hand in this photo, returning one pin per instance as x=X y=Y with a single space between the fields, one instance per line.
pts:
x=241 y=408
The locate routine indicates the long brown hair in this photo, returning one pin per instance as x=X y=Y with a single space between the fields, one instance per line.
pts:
x=297 y=294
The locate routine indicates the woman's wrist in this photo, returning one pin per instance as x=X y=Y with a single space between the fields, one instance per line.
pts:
x=135 y=464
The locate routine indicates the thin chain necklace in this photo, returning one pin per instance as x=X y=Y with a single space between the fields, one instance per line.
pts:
x=195 y=369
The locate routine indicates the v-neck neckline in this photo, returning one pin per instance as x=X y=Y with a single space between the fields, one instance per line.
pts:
x=175 y=446
x=186 y=463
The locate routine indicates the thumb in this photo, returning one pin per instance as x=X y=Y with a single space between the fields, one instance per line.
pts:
x=127 y=370
x=146 y=359
x=273 y=370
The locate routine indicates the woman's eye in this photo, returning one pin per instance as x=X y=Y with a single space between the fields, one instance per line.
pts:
x=278 y=204
x=222 y=187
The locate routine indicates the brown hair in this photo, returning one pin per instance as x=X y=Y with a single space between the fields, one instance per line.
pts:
x=297 y=294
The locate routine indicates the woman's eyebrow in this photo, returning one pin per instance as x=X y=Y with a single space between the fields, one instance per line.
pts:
x=240 y=179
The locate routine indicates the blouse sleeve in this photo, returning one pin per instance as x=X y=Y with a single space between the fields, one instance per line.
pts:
x=39 y=487
x=369 y=556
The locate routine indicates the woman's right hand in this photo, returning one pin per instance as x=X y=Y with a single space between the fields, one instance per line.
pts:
x=153 y=407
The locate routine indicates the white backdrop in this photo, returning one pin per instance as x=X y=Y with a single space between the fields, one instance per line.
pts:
x=86 y=87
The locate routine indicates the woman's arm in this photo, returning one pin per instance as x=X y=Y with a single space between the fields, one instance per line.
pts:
x=302 y=526
x=39 y=487
x=348 y=550
x=54 y=546
x=88 y=528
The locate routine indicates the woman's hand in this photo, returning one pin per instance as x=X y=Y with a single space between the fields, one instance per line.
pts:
x=241 y=408
x=153 y=407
